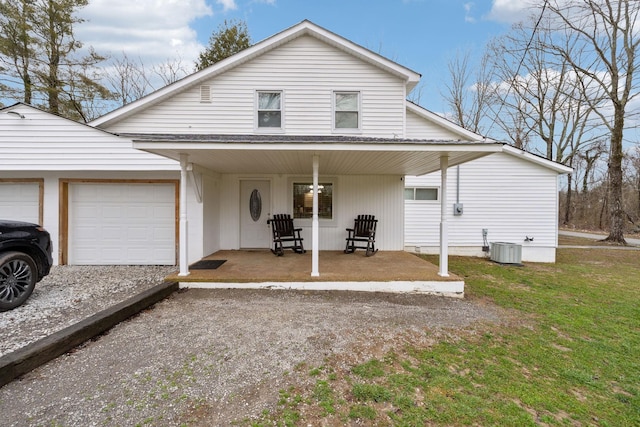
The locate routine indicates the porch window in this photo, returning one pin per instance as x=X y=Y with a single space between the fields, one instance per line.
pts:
x=421 y=193
x=347 y=110
x=270 y=109
x=303 y=200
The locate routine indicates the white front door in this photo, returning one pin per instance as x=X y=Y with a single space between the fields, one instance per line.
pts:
x=255 y=210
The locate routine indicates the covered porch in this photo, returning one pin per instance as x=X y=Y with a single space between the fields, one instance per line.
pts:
x=387 y=271
x=280 y=157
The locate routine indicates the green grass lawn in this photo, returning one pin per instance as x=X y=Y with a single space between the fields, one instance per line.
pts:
x=568 y=353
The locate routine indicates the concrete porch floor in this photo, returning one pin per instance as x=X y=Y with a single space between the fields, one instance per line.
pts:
x=393 y=271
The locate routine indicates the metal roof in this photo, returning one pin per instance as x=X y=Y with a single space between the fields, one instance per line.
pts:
x=290 y=154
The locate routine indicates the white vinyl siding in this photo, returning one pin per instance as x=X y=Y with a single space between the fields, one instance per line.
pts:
x=379 y=195
x=45 y=142
x=307 y=70
x=121 y=224
x=419 y=128
x=512 y=198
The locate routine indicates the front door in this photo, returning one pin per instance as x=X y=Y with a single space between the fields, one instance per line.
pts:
x=255 y=210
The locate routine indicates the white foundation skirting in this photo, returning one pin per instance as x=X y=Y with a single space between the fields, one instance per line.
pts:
x=454 y=289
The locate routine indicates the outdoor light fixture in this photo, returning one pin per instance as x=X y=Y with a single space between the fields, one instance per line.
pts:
x=15 y=113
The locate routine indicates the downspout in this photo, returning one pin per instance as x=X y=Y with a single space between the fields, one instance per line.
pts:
x=184 y=241
x=444 y=228
x=457 y=184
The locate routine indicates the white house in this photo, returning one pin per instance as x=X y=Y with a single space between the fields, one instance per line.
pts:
x=318 y=126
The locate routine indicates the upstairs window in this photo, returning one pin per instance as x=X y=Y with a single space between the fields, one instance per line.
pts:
x=270 y=110
x=347 y=110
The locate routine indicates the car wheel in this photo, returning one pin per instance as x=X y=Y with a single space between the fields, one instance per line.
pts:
x=17 y=279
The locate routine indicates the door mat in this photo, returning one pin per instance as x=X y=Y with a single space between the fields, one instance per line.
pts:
x=207 y=264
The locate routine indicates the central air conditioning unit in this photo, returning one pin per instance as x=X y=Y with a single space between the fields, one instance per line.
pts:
x=506 y=253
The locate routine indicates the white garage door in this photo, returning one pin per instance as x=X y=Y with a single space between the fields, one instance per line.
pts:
x=20 y=201
x=121 y=224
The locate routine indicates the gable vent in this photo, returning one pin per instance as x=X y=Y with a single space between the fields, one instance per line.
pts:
x=205 y=93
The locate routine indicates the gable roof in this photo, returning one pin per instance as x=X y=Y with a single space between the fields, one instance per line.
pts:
x=304 y=28
x=467 y=135
x=430 y=116
x=534 y=158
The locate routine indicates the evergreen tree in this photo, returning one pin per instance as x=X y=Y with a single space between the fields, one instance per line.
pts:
x=230 y=38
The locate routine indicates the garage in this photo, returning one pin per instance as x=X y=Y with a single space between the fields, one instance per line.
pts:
x=121 y=223
x=21 y=200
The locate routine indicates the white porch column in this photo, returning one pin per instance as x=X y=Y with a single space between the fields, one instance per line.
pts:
x=184 y=240
x=444 y=228
x=314 y=221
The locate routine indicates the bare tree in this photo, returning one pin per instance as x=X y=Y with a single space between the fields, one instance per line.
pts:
x=469 y=94
x=541 y=95
x=171 y=70
x=634 y=177
x=601 y=47
x=128 y=79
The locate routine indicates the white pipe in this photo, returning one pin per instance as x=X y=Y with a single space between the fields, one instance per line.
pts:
x=458 y=184
x=184 y=240
x=444 y=228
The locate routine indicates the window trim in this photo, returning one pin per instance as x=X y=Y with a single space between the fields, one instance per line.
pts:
x=414 y=188
x=306 y=222
x=257 y=111
x=334 y=111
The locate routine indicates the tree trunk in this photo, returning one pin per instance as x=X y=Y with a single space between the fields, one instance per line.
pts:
x=567 y=210
x=616 y=207
x=53 y=89
x=24 y=45
x=638 y=188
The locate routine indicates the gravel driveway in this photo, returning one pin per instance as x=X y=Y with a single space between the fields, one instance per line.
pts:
x=71 y=293
x=204 y=357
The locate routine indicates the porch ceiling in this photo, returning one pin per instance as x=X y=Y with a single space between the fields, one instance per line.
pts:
x=338 y=156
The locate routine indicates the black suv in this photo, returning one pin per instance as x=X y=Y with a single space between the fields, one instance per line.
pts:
x=25 y=258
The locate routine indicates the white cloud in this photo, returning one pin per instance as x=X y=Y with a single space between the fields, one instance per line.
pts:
x=152 y=30
x=511 y=11
x=228 y=4
x=468 y=8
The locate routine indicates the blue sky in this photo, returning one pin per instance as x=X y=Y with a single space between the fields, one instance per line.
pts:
x=419 y=34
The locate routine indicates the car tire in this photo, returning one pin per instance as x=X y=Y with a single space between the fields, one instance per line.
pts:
x=18 y=276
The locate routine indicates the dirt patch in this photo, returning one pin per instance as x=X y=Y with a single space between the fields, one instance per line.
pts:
x=206 y=357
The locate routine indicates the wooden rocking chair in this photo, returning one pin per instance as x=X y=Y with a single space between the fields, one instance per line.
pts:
x=285 y=236
x=362 y=233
